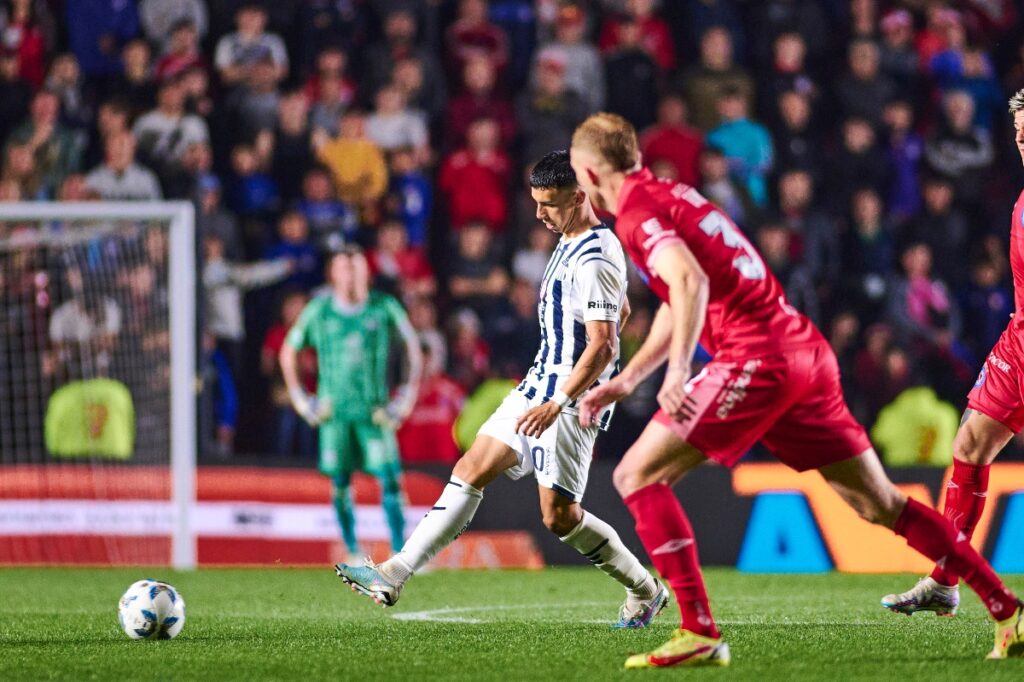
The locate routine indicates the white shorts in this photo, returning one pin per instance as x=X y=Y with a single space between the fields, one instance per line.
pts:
x=560 y=458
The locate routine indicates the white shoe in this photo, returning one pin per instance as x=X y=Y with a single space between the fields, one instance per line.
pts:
x=638 y=613
x=926 y=595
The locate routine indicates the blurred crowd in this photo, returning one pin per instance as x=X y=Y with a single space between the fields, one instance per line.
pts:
x=862 y=145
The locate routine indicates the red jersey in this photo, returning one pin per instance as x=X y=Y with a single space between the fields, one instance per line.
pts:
x=747 y=314
x=1017 y=258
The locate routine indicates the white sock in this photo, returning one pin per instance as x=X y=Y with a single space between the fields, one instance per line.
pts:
x=450 y=516
x=600 y=544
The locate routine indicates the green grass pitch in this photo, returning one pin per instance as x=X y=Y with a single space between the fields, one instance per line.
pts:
x=285 y=624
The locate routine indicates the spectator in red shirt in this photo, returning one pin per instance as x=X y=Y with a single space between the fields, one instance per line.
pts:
x=479 y=100
x=657 y=38
x=182 y=52
x=475 y=179
x=29 y=31
x=291 y=433
x=427 y=434
x=473 y=35
x=671 y=139
x=399 y=267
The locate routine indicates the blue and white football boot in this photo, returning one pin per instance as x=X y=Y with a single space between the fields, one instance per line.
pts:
x=638 y=613
x=369 y=580
x=926 y=595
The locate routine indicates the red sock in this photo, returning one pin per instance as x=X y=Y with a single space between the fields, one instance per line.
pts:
x=668 y=538
x=965 y=500
x=937 y=539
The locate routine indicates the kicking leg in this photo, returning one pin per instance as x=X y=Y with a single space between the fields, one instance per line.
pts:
x=450 y=515
x=601 y=545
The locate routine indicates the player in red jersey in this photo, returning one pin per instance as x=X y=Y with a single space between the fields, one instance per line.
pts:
x=773 y=378
x=995 y=412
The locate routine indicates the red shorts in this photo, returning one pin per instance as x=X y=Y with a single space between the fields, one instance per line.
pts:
x=792 y=402
x=997 y=392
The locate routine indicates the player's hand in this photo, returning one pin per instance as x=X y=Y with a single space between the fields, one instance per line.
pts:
x=601 y=397
x=388 y=417
x=537 y=420
x=674 y=398
x=312 y=409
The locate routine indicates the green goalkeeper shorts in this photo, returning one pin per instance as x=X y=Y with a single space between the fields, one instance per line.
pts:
x=347 y=445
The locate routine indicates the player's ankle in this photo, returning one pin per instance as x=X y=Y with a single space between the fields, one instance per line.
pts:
x=645 y=590
x=395 y=570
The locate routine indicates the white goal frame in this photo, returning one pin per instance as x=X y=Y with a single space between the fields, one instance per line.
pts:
x=181 y=266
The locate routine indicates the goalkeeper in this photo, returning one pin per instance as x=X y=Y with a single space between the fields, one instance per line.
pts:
x=352 y=330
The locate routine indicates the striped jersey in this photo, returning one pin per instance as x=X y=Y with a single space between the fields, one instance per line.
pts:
x=585 y=280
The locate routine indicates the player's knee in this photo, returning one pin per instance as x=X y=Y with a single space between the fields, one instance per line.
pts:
x=561 y=520
x=626 y=479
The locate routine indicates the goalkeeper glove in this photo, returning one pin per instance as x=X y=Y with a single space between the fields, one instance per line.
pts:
x=312 y=409
x=394 y=413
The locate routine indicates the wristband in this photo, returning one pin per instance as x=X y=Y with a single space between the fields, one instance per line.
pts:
x=561 y=398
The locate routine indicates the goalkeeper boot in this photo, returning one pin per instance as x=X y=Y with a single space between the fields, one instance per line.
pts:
x=369 y=580
x=685 y=648
x=1010 y=636
x=638 y=613
x=926 y=595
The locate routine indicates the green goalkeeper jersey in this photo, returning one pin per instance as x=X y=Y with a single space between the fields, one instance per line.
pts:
x=352 y=349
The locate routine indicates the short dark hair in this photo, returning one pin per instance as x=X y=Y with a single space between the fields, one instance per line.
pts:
x=554 y=170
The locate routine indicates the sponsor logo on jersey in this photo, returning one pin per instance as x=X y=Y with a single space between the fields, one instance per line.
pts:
x=982 y=375
x=673 y=546
x=736 y=391
x=999 y=363
x=602 y=305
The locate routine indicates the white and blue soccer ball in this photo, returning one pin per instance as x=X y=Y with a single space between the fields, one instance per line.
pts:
x=151 y=609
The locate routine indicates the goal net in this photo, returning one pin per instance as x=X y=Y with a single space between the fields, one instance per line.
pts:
x=97 y=383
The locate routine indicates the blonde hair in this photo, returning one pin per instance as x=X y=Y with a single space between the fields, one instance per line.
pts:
x=1017 y=101
x=611 y=137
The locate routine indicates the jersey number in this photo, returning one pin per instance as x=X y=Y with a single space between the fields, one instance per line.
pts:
x=749 y=263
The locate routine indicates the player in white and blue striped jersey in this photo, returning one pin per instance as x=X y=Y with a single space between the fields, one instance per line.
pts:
x=537 y=429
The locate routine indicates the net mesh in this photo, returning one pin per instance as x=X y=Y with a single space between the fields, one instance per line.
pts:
x=84 y=392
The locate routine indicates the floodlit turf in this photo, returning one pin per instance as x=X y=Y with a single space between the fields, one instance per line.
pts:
x=475 y=625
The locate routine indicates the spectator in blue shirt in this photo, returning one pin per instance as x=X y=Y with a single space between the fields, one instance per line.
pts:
x=97 y=29
x=294 y=243
x=746 y=143
x=411 y=193
x=331 y=221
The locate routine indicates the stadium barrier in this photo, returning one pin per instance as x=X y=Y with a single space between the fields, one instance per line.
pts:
x=759 y=517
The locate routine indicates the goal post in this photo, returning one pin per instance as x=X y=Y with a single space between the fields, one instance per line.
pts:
x=75 y=221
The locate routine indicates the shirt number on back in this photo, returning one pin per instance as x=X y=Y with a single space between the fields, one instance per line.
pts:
x=749 y=263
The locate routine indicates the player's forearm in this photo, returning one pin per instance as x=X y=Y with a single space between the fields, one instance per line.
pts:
x=289 y=370
x=688 y=302
x=652 y=351
x=588 y=369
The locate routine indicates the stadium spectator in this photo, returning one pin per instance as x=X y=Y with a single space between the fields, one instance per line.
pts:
x=291 y=434
x=294 y=244
x=29 y=32
x=97 y=30
x=632 y=77
x=399 y=268
x=530 y=262
x=814 y=231
x=162 y=19
x=222 y=395
x=410 y=194
x=944 y=228
x=56 y=150
x=898 y=59
x=479 y=99
x=134 y=82
x=722 y=188
x=797 y=135
x=429 y=96
x=332 y=222
x=291 y=146
x=65 y=80
x=905 y=150
x=469 y=360
x=475 y=179
x=789 y=73
x=471 y=35
x=868 y=255
x=165 y=133
x=860 y=162
x=393 y=124
x=986 y=304
x=549 y=111
x=238 y=52
x=656 y=37
x=746 y=144
x=704 y=82
x=423 y=317
x=426 y=435
x=214 y=220
x=773 y=241
x=864 y=91
x=15 y=92
x=399 y=42
x=324 y=24
x=672 y=140
x=476 y=277
x=251 y=192
x=516 y=330
x=20 y=171
x=182 y=51
x=119 y=177
x=584 y=70
x=772 y=17
x=332 y=100
x=921 y=309
x=84 y=329
x=252 y=105
x=961 y=150
x=356 y=163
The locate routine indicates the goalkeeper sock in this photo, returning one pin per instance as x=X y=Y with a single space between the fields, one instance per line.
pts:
x=668 y=538
x=346 y=517
x=600 y=544
x=391 y=501
x=447 y=519
x=965 y=500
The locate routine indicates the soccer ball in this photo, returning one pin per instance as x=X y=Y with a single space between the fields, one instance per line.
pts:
x=150 y=609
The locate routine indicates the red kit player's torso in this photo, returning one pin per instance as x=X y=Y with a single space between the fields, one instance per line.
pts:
x=1017 y=260
x=747 y=310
